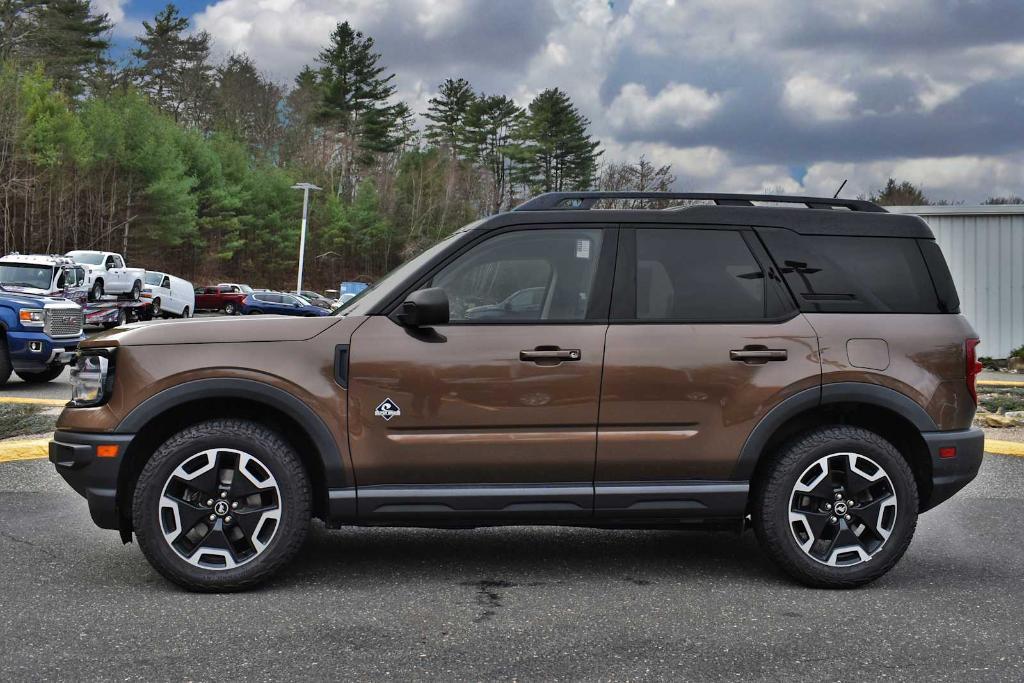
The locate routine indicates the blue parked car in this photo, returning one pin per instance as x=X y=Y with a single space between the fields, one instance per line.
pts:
x=37 y=335
x=280 y=304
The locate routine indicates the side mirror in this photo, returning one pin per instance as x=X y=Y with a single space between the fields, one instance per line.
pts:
x=424 y=308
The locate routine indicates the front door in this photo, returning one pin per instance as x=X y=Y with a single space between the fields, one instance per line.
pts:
x=704 y=340
x=495 y=412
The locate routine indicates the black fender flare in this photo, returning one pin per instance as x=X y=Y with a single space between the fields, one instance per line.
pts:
x=252 y=390
x=808 y=399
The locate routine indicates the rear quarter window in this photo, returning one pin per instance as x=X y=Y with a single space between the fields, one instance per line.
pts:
x=841 y=274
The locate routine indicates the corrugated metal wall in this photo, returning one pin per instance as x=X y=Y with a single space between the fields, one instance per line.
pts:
x=985 y=253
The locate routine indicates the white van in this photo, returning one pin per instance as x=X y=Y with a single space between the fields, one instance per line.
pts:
x=170 y=295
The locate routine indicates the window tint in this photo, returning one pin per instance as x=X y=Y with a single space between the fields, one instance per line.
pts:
x=526 y=275
x=854 y=274
x=269 y=298
x=685 y=274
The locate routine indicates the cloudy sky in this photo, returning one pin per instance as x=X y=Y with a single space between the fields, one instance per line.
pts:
x=738 y=95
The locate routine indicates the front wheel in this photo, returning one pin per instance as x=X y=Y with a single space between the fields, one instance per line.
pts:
x=49 y=374
x=222 y=506
x=837 y=508
x=157 y=309
x=96 y=293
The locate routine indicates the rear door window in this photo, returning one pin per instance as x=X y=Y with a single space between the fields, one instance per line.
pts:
x=688 y=274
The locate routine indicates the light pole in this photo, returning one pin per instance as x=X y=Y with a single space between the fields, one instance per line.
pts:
x=305 y=187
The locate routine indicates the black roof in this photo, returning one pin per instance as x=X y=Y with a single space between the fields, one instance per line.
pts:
x=822 y=216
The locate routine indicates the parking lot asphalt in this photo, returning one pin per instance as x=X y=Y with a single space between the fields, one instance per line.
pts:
x=512 y=603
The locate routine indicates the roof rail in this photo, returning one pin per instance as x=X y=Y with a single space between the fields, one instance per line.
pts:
x=552 y=201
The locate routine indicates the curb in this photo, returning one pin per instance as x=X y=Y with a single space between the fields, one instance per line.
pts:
x=999 y=383
x=1014 y=448
x=55 y=402
x=28 y=449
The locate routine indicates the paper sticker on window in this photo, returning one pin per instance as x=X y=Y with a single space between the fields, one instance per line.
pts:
x=583 y=249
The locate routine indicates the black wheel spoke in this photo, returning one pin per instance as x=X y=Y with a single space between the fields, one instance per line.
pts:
x=843 y=537
x=855 y=482
x=819 y=523
x=248 y=519
x=868 y=514
x=190 y=514
x=242 y=486
x=216 y=539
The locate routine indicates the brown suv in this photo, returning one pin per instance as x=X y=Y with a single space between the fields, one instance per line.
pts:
x=799 y=368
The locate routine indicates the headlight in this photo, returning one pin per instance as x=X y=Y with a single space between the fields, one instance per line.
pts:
x=31 y=317
x=92 y=377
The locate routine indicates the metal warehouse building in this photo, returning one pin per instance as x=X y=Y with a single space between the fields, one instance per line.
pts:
x=984 y=246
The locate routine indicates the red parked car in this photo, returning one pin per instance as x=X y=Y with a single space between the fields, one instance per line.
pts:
x=227 y=298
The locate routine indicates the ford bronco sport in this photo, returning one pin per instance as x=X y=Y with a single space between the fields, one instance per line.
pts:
x=801 y=368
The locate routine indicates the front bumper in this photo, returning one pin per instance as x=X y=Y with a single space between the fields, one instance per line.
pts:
x=93 y=477
x=35 y=351
x=950 y=474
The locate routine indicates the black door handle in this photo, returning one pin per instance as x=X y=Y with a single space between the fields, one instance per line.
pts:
x=542 y=354
x=757 y=354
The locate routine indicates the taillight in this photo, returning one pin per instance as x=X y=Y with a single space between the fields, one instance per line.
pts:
x=973 y=367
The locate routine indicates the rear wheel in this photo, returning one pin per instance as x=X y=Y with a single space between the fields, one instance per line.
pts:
x=222 y=506
x=837 y=508
x=230 y=308
x=121 y=320
x=136 y=290
x=185 y=313
x=52 y=372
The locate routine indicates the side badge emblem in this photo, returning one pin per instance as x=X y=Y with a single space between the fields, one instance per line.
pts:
x=388 y=409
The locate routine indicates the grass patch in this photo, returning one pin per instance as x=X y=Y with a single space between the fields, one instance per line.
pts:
x=1006 y=398
x=19 y=420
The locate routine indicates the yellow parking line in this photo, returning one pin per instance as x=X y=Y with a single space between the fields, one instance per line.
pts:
x=29 y=449
x=1004 y=447
x=56 y=402
x=999 y=383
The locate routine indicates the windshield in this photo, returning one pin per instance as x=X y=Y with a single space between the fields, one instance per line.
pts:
x=373 y=294
x=26 y=275
x=92 y=258
x=154 y=278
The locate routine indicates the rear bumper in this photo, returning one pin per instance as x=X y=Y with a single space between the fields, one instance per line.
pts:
x=950 y=474
x=73 y=454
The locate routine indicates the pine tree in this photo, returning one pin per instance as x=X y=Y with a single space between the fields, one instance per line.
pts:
x=174 y=68
x=355 y=102
x=64 y=35
x=447 y=113
x=490 y=123
x=554 y=150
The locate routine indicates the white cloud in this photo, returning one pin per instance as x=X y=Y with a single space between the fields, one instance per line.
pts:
x=677 y=104
x=808 y=96
x=114 y=9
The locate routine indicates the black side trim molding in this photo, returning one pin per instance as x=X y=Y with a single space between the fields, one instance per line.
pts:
x=507 y=501
x=229 y=388
x=701 y=499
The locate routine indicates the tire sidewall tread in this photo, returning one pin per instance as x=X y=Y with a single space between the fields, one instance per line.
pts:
x=772 y=496
x=274 y=452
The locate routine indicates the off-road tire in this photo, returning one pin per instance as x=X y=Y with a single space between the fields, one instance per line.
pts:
x=773 y=493
x=285 y=466
x=5 y=360
x=49 y=374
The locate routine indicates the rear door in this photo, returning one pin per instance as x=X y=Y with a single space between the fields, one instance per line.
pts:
x=495 y=413
x=703 y=341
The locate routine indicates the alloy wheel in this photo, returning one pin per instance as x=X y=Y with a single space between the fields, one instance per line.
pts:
x=842 y=509
x=220 y=509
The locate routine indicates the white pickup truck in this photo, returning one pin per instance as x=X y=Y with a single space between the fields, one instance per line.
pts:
x=106 y=273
